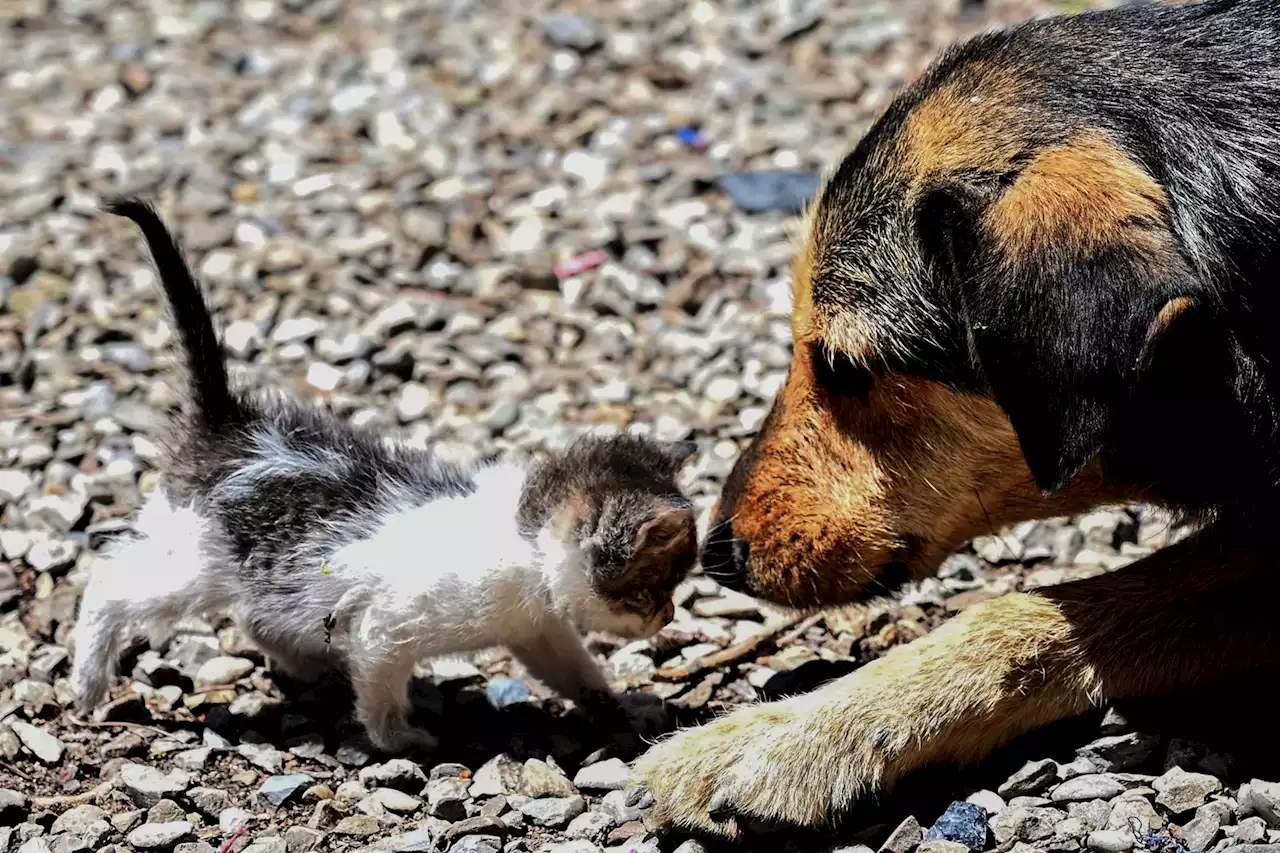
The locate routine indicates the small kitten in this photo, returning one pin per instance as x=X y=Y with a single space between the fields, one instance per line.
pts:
x=332 y=548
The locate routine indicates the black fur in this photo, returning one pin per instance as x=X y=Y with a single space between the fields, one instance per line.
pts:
x=1191 y=93
x=216 y=406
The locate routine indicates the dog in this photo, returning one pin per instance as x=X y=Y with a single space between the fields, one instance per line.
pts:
x=1037 y=285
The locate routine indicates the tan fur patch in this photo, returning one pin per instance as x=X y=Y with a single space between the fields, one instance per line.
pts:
x=1172 y=310
x=966 y=124
x=1086 y=194
x=840 y=489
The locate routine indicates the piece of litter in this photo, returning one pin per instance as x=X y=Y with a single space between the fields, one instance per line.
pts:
x=692 y=138
x=771 y=190
x=581 y=263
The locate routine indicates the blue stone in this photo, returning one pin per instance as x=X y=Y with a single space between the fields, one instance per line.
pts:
x=276 y=790
x=507 y=691
x=770 y=190
x=963 y=823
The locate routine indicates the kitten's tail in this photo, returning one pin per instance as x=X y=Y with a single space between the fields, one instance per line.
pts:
x=206 y=368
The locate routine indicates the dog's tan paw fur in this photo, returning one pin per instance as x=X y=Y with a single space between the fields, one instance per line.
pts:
x=799 y=762
x=996 y=671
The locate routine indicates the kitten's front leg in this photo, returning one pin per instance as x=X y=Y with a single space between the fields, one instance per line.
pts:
x=380 y=669
x=556 y=656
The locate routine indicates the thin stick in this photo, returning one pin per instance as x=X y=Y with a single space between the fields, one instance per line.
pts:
x=799 y=631
x=68 y=800
x=724 y=657
x=112 y=724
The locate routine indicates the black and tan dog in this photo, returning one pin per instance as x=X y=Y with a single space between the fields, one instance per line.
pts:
x=1045 y=280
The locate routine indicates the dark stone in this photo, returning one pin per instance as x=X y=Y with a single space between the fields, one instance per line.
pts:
x=963 y=823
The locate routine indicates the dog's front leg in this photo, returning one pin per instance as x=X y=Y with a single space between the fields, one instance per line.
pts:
x=996 y=671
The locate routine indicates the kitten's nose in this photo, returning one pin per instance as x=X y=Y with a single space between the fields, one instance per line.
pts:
x=724 y=557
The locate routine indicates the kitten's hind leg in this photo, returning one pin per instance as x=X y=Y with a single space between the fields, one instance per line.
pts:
x=149 y=579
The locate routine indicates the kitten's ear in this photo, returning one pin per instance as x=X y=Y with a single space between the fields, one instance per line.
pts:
x=680 y=452
x=663 y=528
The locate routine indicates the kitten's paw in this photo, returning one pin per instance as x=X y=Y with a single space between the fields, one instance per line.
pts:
x=89 y=686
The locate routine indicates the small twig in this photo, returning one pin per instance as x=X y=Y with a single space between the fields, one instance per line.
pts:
x=724 y=657
x=68 y=800
x=799 y=631
x=111 y=724
x=14 y=770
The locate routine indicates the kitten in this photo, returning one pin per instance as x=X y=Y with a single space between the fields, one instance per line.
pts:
x=332 y=548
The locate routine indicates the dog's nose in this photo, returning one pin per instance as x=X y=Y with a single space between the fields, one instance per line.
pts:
x=724 y=557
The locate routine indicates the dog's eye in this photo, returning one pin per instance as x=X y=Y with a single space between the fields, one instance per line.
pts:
x=839 y=375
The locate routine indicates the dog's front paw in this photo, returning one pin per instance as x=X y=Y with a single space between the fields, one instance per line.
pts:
x=776 y=763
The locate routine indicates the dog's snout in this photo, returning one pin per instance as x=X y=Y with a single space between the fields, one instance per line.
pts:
x=724 y=557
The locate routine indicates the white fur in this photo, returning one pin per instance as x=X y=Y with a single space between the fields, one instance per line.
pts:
x=449 y=576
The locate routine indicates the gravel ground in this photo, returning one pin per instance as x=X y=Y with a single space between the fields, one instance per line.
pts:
x=382 y=201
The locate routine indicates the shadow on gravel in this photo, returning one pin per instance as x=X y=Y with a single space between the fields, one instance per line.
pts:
x=470 y=729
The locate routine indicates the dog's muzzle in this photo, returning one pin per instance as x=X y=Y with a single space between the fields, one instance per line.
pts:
x=724 y=558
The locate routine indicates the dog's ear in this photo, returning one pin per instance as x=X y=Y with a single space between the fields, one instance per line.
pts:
x=1062 y=346
x=1067 y=277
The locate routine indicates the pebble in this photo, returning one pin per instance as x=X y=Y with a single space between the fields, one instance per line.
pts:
x=942 y=846
x=222 y=670
x=1121 y=753
x=398 y=773
x=1110 y=840
x=539 y=779
x=1091 y=786
x=1032 y=778
x=770 y=191
x=1180 y=791
x=963 y=823
x=502 y=692
x=553 y=812
x=43 y=745
x=296 y=330
x=591 y=826
x=447 y=798
x=276 y=790
x=570 y=30
x=159 y=836
x=12 y=804
x=397 y=801
x=1024 y=823
x=477 y=844
x=499 y=775
x=358 y=826
x=611 y=774
x=230 y=820
x=1260 y=798
x=51 y=555
x=147 y=786
x=905 y=838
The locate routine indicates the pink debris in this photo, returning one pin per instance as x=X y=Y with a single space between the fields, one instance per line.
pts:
x=581 y=263
x=240 y=832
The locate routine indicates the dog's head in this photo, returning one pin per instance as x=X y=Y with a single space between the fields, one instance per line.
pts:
x=983 y=281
